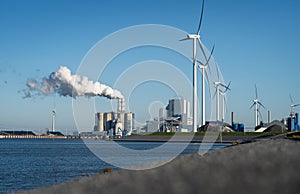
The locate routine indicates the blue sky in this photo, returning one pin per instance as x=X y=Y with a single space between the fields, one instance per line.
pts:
x=256 y=43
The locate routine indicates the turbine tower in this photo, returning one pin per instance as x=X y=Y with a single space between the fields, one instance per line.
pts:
x=53 y=113
x=196 y=38
x=53 y=119
x=223 y=94
x=255 y=104
x=217 y=94
x=204 y=73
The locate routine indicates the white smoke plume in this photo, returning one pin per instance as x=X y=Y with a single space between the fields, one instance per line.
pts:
x=66 y=84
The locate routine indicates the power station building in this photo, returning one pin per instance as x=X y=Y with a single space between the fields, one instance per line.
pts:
x=104 y=121
x=118 y=122
x=179 y=108
x=175 y=117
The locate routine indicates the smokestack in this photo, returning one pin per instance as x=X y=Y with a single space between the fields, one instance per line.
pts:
x=66 y=84
x=232 y=118
x=121 y=105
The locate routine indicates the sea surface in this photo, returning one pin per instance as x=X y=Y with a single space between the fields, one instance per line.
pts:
x=34 y=163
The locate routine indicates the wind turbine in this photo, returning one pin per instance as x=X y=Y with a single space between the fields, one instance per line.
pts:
x=217 y=94
x=196 y=38
x=203 y=67
x=293 y=105
x=53 y=119
x=255 y=104
x=53 y=113
x=223 y=92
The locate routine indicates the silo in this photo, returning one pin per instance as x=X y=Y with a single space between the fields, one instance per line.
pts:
x=129 y=121
x=121 y=119
x=99 y=122
x=108 y=117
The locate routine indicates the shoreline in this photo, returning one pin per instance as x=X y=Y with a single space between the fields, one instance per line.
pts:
x=172 y=137
x=263 y=166
x=209 y=138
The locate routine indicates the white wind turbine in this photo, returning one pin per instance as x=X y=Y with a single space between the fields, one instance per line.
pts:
x=53 y=114
x=203 y=67
x=196 y=38
x=53 y=119
x=255 y=104
x=223 y=94
x=217 y=94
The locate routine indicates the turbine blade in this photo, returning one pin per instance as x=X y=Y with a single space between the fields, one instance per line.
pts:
x=256 y=96
x=212 y=51
x=296 y=105
x=215 y=94
x=218 y=73
x=206 y=75
x=261 y=119
x=227 y=87
x=223 y=85
x=200 y=62
x=202 y=49
x=261 y=104
x=184 y=39
x=292 y=100
x=201 y=17
x=252 y=105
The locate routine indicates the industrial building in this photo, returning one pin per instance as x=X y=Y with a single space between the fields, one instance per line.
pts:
x=118 y=123
x=179 y=108
x=175 y=117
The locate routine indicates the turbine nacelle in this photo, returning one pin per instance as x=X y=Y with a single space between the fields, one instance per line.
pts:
x=218 y=83
x=202 y=66
x=193 y=36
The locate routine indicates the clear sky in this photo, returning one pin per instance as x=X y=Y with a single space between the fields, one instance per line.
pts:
x=256 y=43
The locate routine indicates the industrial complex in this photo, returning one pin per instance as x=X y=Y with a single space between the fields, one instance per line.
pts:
x=175 y=117
x=118 y=123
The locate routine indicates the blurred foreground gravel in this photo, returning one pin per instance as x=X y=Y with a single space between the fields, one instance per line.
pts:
x=266 y=166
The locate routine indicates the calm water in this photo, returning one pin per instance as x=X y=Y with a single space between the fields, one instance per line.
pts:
x=34 y=163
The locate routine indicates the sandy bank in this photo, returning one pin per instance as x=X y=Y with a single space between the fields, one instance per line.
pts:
x=267 y=166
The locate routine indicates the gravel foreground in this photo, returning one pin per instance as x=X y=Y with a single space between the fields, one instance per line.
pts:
x=266 y=166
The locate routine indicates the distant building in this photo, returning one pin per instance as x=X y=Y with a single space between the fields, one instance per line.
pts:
x=19 y=133
x=179 y=108
x=175 y=117
x=55 y=133
x=105 y=121
x=153 y=126
x=162 y=114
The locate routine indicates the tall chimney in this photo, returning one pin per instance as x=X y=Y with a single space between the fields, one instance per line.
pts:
x=121 y=105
